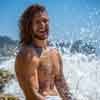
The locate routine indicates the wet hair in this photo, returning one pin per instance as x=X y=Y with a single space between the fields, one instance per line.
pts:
x=25 y=23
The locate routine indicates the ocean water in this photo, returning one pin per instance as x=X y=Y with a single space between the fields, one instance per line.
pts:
x=81 y=72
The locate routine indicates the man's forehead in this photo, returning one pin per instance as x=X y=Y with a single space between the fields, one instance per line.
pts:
x=39 y=14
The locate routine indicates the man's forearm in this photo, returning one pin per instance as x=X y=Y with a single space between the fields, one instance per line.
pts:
x=35 y=94
x=62 y=88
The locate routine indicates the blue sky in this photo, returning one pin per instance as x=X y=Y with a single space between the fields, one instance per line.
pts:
x=69 y=19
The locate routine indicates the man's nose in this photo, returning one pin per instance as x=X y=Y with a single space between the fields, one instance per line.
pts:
x=42 y=25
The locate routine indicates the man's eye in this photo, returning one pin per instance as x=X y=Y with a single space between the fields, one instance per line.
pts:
x=45 y=21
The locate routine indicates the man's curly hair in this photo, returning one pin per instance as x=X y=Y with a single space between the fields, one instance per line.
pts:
x=25 y=23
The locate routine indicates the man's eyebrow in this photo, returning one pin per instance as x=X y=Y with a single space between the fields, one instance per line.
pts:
x=44 y=18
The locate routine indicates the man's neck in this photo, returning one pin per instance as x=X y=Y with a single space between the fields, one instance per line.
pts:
x=40 y=43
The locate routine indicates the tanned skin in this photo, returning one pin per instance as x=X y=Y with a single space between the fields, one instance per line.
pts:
x=41 y=76
x=37 y=79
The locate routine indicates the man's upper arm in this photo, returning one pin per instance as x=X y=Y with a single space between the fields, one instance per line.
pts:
x=60 y=82
x=26 y=67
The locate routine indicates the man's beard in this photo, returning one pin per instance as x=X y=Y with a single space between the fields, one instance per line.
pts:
x=39 y=37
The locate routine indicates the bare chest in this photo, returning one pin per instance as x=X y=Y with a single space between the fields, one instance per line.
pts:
x=45 y=69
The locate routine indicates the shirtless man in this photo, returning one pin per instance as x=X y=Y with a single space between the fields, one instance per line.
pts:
x=38 y=67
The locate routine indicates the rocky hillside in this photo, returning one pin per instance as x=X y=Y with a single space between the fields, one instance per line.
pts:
x=7 y=46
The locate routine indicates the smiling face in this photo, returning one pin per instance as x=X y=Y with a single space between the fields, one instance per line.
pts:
x=40 y=25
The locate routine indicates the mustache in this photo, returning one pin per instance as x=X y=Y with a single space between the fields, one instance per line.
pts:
x=44 y=30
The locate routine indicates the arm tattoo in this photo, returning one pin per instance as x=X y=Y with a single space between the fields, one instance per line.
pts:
x=61 y=84
x=62 y=88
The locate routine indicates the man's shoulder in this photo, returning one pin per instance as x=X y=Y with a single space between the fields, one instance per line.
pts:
x=54 y=51
x=24 y=52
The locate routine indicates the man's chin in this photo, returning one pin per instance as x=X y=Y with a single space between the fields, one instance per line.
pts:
x=43 y=37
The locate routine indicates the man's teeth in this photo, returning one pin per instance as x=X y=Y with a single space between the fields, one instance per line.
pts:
x=43 y=31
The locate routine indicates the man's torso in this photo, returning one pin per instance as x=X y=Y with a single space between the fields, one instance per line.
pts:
x=45 y=74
